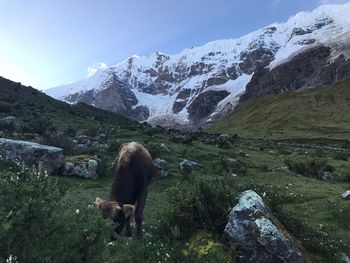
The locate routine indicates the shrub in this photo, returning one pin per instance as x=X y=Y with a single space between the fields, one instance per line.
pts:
x=312 y=168
x=37 y=226
x=70 y=131
x=202 y=204
x=41 y=124
x=341 y=156
x=5 y=107
x=231 y=166
x=60 y=141
x=154 y=149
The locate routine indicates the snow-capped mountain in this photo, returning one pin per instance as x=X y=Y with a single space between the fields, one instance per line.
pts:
x=201 y=84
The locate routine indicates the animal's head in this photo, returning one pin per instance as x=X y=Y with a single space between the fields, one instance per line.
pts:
x=111 y=209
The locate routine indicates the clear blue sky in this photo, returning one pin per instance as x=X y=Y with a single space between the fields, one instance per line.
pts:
x=45 y=43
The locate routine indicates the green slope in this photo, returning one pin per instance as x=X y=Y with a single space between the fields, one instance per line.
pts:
x=29 y=105
x=320 y=112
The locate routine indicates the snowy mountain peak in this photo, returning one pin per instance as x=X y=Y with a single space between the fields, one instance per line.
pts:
x=201 y=84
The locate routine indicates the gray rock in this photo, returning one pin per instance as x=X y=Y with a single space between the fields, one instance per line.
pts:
x=83 y=139
x=346 y=195
x=326 y=176
x=189 y=165
x=164 y=147
x=2 y=134
x=162 y=169
x=258 y=235
x=82 y=169
x=10 y=123
x=82 y=149
x=51 y=158
x=345 y=258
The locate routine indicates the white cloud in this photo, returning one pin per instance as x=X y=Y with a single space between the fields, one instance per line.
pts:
x=324 y=2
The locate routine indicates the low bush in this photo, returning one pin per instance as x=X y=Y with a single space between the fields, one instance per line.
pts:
x=36 y=225
x=60 y=141
x=341 y=156
x=314 y=168
x=201 y=204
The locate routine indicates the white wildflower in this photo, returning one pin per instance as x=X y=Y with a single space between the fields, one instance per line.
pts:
x=77 y=211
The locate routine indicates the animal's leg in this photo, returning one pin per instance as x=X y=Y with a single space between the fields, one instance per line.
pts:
x=128 y=229
x=121 y=220
x=141 y=202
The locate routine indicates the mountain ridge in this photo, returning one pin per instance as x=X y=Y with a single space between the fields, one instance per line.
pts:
x=201 y=85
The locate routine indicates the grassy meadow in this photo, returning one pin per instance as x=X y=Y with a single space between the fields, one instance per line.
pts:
x=51 y=219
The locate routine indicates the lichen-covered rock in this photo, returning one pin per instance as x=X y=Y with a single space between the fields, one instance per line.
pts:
x=80 y=167
x=258 y=235
x=51 y=158
x=10 y=123
x=346 y=195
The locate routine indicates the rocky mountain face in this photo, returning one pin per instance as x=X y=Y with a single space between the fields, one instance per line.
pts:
x=202 y=84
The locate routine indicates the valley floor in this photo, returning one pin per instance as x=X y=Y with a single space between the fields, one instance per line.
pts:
x=311 y=209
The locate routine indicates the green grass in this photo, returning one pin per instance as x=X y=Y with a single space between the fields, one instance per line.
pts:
x=309 y=208
x=312 y=210
x=321 y=112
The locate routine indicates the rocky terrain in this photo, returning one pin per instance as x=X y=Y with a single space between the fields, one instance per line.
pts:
x=202 y=84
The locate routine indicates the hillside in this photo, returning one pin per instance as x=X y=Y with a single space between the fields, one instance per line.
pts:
x=202 y=84
x=321 y=112
x=30 y=105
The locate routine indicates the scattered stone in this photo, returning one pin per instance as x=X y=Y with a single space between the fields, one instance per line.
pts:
x=189 y=165
x=83 y=139
x=224 y=140
x=10 y=123
x=242 y=153
x=346 y=195
x=104 y=146
x=162 y=169
x=80 y=166
x=258 y=235
x=326 y=176
x=51 y=158
x=82 y=149
x=101 y=137
x=164 y=147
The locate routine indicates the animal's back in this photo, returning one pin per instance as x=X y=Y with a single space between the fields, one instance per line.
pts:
x=132 y=171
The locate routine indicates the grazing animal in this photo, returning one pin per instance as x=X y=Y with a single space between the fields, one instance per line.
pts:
x=132 y=172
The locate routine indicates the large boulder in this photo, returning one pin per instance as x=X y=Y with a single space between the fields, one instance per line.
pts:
x=51 y=158
x=10 y=123
x=258 y=235
x=82 y=166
